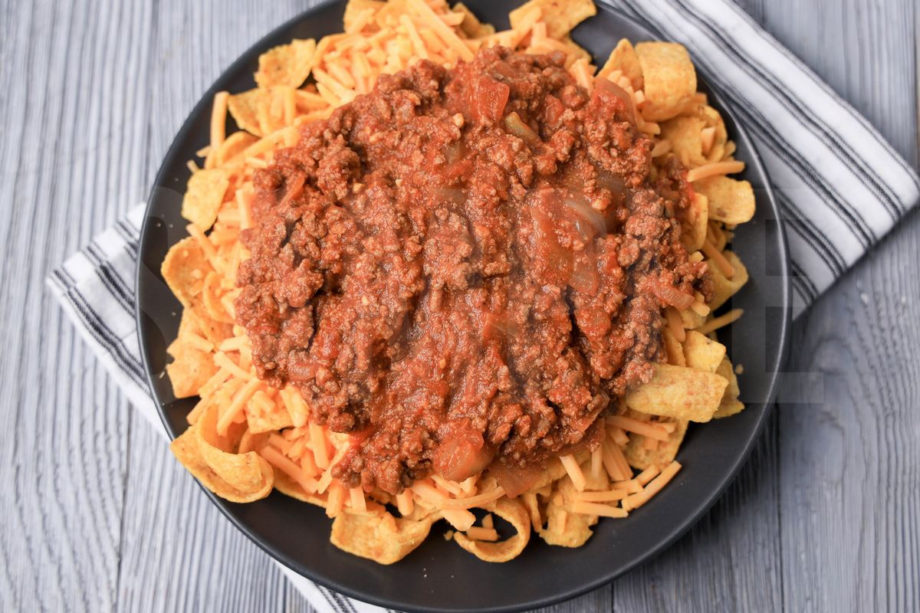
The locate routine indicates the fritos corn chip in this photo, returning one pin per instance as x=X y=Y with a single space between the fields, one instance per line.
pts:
x=203 y=197
x=703 y=353
x=723 y=287
x=679 y=392
x=380 y=536
x=730 y=201
x=669 y=79
x=624 y=58
x=286 y=65
x=730 y=405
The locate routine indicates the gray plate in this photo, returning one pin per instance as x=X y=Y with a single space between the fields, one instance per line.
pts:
x=439 y=575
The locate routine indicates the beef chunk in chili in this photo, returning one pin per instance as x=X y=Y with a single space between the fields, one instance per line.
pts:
x=465 y=266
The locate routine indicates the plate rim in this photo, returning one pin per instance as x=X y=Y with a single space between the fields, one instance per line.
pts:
x=674 y=533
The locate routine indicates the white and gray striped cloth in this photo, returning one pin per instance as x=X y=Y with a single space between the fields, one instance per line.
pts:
x=840 y=185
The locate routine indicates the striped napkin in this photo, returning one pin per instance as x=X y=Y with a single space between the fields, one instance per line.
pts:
x=840 y=185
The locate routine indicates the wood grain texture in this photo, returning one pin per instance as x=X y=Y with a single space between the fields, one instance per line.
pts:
x=850 y=464
x=65 y=434
x=97 y=515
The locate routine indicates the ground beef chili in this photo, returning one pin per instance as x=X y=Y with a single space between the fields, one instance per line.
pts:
x=465 y=267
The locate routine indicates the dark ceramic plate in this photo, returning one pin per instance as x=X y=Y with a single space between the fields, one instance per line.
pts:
x=439 y=575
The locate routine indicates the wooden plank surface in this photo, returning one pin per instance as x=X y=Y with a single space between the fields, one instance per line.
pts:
x=98 y=517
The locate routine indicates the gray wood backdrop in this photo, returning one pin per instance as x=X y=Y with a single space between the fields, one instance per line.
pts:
x=97 y=516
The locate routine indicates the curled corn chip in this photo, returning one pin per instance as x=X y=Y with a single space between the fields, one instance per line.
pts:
x=188 y=325
x=247 y=475
x=261 y=111
x=380 y=536
x=243 y=486
x=515 y=514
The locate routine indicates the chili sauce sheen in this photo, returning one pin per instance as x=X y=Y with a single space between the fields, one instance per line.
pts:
x=465 y=268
